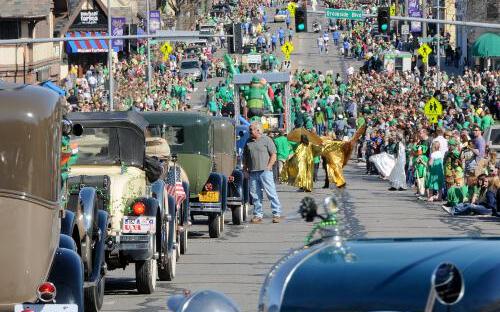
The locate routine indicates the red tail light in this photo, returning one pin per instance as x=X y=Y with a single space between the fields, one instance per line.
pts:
x=46 y=292
x=139 y=208
x=209 y=187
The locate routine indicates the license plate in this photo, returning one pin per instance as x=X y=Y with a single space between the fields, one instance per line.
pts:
x=209 y=197
x=139 y=225
x=46 y=308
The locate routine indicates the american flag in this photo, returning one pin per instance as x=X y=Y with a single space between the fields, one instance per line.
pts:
x=174 y=185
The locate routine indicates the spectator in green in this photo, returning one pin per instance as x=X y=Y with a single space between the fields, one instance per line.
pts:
x=283 y=149
x=319 y=120
x=486 y=120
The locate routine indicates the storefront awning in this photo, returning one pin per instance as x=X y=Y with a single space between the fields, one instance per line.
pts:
x=88 y=45
x=487 y=45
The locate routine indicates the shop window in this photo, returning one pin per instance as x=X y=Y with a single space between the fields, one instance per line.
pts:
x=10 y=29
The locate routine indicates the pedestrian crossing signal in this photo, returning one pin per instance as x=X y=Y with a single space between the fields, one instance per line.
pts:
x=300 y=19
x=384 y=20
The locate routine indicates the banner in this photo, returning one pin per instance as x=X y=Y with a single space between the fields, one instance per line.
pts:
x=414 y=11
x=117 y=26
x=154 y=21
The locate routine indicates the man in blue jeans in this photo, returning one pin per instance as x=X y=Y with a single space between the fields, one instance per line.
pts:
x=259 y=157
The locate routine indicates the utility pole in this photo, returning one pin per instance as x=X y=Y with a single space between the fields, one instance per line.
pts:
x=438 y=30
x=110 y=59
x=424 y=13
x=148 y=50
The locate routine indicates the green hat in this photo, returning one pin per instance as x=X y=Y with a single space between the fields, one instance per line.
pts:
x=255 y=80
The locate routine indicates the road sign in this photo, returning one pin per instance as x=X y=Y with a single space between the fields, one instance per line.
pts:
x=392 y=10
x=166 y=49
x=287 y=49
x=405 y=29
x=291 y=8
x=433 y=109
x=344 y=14
x=424 y=50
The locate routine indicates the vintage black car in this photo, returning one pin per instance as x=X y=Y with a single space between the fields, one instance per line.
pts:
x=331 y=273
x=209 y=158
x=112 y=159
x=40 y=266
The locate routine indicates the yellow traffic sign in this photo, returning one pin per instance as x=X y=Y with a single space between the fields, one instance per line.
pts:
x=291 y=8
x=166 y=49
x=433 y=109
x=392 y=10
x=424 y=50
x=287 y=48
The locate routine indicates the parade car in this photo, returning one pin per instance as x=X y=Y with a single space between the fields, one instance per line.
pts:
x=331 y=273
x=190 y=68
x=280 y=15
x=112 y=159
x=205 y=147
x=40 y=266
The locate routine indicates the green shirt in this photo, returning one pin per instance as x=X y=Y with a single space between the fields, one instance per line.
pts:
x=283 y=148
x=486 y=122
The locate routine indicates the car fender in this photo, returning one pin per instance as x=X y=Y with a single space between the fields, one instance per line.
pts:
x=172 y=211
x=158 y=190
x=152 y=206
x=66 y=241
x=102 y=224
x=185 y=207
x=67 y=223
x=219 y=181
x=67 y=275
x=236 y=189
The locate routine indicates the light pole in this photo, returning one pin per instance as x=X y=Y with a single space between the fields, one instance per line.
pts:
x=110 y=59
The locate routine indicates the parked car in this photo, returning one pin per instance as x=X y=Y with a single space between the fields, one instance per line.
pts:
x=332 y=273
x=190 y=67
x=40 y=266
x=280 y=15
x=129 y=191
x=209 y=159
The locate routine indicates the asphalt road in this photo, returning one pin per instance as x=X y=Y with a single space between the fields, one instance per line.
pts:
x=237 y=263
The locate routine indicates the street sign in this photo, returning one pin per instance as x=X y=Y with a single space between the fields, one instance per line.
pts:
x=424 y=51
x=287 y=49
x=166 y=49
x=433 y=109
x=291 y=8
x=405 y=29
x=252 y=58
x=344 y=14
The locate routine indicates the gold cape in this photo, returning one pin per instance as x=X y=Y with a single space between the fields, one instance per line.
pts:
x=299 y=169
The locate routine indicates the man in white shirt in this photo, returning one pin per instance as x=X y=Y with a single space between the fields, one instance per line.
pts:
x=443 y=143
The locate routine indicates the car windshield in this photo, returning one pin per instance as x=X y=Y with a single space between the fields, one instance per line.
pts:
x=189 y=64
x=93 y=145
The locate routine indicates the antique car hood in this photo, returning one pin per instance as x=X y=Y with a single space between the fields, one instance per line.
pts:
x=387 y=274
x=127 y=183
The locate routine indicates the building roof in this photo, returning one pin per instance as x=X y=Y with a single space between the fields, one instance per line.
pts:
x=25 y=8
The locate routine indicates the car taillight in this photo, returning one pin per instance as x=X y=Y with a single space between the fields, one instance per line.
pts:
x=209 y=187
x=46 y=292
x=139 y=208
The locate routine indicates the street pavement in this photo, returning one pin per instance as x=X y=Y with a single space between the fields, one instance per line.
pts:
x=238 y=262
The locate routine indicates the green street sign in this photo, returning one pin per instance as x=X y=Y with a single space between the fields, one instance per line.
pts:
x=344 y=14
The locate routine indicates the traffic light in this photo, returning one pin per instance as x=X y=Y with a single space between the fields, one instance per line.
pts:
x=384 y=20
x=300 y=19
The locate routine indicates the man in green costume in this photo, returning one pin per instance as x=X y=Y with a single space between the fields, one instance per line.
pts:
x=255 y=99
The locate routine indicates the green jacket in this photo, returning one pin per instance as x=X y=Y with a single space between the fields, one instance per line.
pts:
x=283 y=148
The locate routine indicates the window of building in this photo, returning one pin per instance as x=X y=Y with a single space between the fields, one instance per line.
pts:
x=10 y=29
x=492 y=9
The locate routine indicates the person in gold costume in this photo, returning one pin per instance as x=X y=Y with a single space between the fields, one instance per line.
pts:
x=298 y=170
